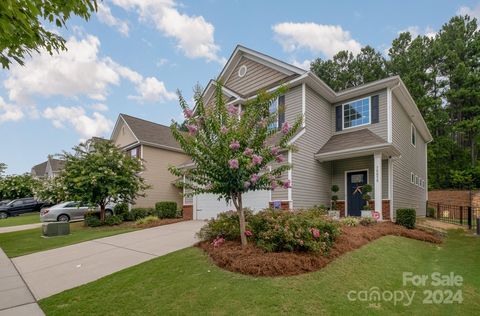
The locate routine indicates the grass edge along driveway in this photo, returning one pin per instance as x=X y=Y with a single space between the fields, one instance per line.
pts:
x=185 y=282
x=30 y=218
x=25 y=242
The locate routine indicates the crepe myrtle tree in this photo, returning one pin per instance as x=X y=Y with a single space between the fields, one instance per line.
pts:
x=98 y=173
x=235 y=149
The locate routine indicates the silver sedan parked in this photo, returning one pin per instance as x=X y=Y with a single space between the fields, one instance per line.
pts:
x=69 y=211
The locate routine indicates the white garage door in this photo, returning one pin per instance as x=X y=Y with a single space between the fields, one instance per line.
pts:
x=208 y=206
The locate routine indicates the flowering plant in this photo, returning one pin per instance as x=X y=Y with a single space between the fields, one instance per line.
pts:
x=234 y=148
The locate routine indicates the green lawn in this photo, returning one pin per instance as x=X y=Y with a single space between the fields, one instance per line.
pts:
x=20 y=220
x=186 y=283
x=29 y=241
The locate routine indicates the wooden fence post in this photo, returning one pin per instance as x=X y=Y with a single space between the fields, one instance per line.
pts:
x=438 y=210
x=461 y=215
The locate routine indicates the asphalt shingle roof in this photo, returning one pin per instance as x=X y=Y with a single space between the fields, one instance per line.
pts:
x=351 y=140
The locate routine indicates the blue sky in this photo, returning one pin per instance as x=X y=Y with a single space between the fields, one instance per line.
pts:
x=133 y=55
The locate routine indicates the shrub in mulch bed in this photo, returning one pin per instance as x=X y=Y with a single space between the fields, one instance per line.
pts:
x=255 y=261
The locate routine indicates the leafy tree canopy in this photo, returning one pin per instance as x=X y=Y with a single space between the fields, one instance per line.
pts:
x=22 y=29
x=98 y=173
x=17 y=186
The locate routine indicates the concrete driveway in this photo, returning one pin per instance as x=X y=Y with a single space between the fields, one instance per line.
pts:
x=53 y=271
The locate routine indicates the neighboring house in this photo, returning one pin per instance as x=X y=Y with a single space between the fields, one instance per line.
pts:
x=372 y=134
x=154 y=143
x=48 y=169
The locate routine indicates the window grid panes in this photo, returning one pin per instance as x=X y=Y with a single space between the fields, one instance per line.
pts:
x=356 y=113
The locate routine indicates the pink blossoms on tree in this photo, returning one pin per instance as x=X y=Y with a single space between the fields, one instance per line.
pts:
x=233 y=154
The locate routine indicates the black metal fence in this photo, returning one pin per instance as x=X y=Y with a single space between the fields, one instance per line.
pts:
x=454 y=214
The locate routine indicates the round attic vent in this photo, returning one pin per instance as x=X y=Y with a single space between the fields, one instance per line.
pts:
x=242 y=71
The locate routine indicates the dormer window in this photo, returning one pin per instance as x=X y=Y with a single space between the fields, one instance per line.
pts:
x=356 y=113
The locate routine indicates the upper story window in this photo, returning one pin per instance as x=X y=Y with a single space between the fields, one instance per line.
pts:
x=356 y=113
x=278 y=106
x=413 y=137
x=134 y=153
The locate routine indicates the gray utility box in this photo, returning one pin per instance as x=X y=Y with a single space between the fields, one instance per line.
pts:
x=56 y=229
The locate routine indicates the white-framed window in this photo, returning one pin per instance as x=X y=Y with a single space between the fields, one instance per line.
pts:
x=356 y=113
x=413 y=135
x=133 y=153
x=416 y=180
x=278 y=106
x=423 y=184
x=412 y=178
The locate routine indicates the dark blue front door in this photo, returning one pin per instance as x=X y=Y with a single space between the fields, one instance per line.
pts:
x=355 y=182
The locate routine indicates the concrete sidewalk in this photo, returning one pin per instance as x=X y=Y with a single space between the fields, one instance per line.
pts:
x=19 y=228
x=53 y=271
x=15 y=297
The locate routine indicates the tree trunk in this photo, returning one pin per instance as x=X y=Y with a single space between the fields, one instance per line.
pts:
x=237 y=201
x=102 y=212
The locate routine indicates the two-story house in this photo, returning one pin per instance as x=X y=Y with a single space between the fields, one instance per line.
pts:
x=372 y=134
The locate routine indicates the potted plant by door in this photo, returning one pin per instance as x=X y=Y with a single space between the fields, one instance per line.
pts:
x=334 y=212
x=367 y=210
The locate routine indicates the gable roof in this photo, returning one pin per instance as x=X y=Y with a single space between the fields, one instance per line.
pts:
x=56 y=164
x=39 y=170
x=149 y=133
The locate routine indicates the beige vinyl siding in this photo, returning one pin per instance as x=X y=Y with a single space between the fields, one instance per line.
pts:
x=339 y=167
x=258 y=76
x=406 y=194
x=311 y=179
x=280 y=194
x=379 y=128
x=157 y=175
x=125 y=136
x=293 y=104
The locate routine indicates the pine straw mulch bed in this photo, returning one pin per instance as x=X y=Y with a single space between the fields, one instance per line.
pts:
x=254 y=261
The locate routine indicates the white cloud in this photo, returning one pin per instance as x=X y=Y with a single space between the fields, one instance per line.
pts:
x=318 y=38
x=105 y=16
x=150 y=89
x=74 y=73
x=86 y=126
x=193 y=34
x=473 y=12
x=9 y=112
x=303 y=64
x=100 y=107
x=415 y=31
x=161 y=62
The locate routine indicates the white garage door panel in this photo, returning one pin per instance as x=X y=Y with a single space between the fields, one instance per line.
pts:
x=208 y=206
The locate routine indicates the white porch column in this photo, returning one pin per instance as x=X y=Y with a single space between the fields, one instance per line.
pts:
x=377 y=180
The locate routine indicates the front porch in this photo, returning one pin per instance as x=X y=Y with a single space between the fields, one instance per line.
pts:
x=358 y=159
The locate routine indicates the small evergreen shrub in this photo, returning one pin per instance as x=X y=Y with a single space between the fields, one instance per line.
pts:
x=406 y=217
x=92 y=219
x=113 y=220
x=147 y=220
x=166 y=209
x=121 y=209
x=350 y=221
x=226 y=225
x=430 y=212
x=139 y=212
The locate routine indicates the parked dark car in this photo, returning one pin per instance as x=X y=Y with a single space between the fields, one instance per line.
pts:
x=3 y=202
x=20 y=206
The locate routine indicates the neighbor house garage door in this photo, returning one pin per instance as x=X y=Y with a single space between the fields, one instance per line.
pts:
x=208 y=206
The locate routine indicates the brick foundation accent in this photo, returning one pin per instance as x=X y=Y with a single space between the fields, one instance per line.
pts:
x=284 y=205
x=188 y=212
x=385 y=208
